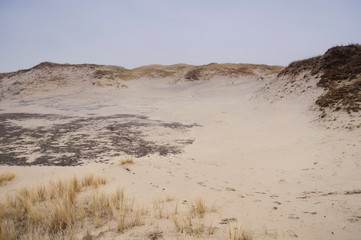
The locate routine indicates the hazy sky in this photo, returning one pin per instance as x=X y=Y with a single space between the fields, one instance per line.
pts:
x=134 y=32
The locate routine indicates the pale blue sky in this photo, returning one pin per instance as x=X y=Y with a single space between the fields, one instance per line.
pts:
x=132 y=33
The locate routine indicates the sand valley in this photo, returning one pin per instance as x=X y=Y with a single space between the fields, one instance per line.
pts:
x=263 y=148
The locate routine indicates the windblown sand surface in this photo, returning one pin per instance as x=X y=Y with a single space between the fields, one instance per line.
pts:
x=270 y=166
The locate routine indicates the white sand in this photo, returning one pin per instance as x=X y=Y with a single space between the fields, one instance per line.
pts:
x=266 y=164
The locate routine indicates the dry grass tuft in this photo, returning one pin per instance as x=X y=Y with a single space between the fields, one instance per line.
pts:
x=126 y=160
x=159 y=209
x=211 y=229
x=93 y=181
x=162 y=207
x=187 y=224
x=238 y=233
x=63 y=209
x=198 y=207
x=128 y=217
x=177 y=223
x=6 y=177
x=56 y=211
x=193 y=221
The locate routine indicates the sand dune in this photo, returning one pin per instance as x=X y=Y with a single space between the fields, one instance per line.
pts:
x=250 y=140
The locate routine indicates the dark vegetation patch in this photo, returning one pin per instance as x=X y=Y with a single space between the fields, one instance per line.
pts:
x=193 y=74
x=340 y=75
x=113 y=72
x=297 y=67
x=339 y=64
x=347 y=97
x=103 y=73
x=79 y=140
x=230 y=70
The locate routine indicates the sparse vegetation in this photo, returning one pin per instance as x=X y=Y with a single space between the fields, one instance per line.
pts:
x=198 y=207
x=54 y=211
x=6 y=177
x=77 y=207
x=90 y=181
x=192 y=221
x=113 y=72
x=46 y=76
x=352 y=192
x=187 y=224
x=208 y=71
x=158 y=209
x=126 y=160
x=211 y=229
x=239 y=233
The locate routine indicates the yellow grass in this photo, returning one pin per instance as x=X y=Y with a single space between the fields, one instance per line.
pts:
x=54 y=210
x=238 y=233
x=93 y=181
x=126 y=160
x=192 y=222
x=211 y=228
x=6 y=177
x=189 y=225
x=198 y=207
x=64 y=209
x=158 y=209
x=177 y=223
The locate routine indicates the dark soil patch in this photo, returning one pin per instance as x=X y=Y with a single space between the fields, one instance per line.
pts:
x=80 y=140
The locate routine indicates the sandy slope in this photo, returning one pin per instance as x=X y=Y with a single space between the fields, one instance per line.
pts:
x=268 y=164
